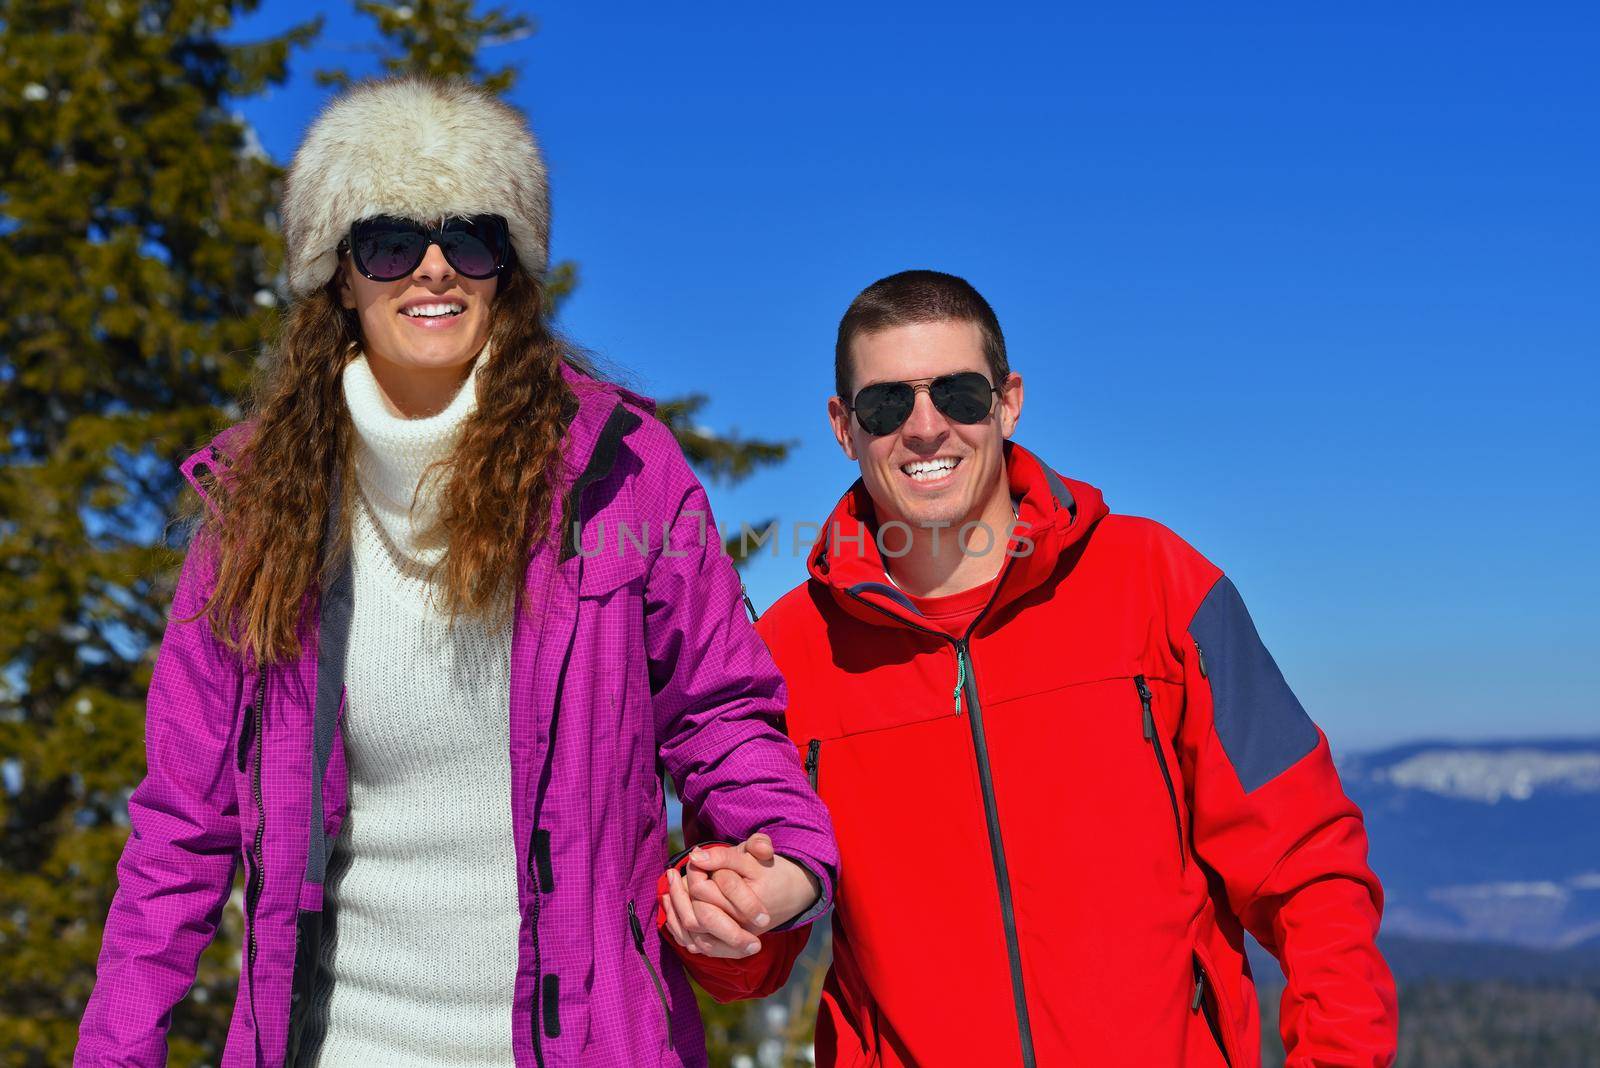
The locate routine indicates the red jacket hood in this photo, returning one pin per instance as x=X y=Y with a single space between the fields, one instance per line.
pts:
x=1054 y=516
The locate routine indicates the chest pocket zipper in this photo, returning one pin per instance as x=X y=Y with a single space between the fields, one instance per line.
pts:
x=1154 y=740
x=655 y=978
x=813 y=758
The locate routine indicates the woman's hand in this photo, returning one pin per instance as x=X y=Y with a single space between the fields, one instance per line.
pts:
x=730 y=895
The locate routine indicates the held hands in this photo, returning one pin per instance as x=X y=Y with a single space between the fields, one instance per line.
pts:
x=730 y=895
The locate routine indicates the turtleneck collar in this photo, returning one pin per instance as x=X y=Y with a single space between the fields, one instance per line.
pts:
x=392 y=453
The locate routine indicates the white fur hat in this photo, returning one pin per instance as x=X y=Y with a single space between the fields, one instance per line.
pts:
x=418 y=148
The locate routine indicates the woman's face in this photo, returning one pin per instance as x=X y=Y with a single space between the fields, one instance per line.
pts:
x=432 y=320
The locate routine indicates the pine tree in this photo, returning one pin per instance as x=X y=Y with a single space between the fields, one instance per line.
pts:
x=138 y=257
x=441 y=37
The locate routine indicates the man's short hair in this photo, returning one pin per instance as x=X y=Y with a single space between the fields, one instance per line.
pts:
x=918 y=297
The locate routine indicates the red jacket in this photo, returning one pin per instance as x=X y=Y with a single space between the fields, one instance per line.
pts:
x=1054 y=832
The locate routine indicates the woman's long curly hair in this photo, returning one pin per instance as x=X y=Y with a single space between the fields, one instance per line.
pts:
x=270 y=516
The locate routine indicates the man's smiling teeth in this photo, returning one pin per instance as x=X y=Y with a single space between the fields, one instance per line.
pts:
x=928 y=470
x=433 y=310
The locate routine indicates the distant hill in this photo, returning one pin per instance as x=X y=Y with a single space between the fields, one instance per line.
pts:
x=1418 y=959
x=1494 y=842
x=1489 y=854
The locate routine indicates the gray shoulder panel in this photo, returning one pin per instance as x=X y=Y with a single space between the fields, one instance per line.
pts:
x=1261 y=724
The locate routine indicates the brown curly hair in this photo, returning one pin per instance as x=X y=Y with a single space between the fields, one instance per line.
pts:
x=268 y=526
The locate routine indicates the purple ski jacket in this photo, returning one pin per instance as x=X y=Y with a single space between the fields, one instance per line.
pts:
x=636 y=656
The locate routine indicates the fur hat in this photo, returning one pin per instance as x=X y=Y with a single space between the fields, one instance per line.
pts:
x=418 y=148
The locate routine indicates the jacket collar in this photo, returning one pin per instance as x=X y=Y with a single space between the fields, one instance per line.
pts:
x=597 y=403
x=1055 y=516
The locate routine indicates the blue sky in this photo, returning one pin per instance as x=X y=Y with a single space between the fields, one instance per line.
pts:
x=1318 y=294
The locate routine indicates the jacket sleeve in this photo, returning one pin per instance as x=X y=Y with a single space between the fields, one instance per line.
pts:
x=1271 y=819
x=177 y=867
x=719 y=699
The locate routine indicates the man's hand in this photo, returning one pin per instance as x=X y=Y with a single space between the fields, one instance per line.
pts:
x=731 y=894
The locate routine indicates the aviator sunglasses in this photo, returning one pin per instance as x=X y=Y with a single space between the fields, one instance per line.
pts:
x=883 y=407
x=386 y=248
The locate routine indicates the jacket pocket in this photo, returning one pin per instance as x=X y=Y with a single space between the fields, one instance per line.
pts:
x=637 y=930
x=615 y=556
x=1209 y=999
x=1153 y=737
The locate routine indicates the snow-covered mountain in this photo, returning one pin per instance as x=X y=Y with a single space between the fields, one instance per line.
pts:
x=1491 y=775
x=1485 y=841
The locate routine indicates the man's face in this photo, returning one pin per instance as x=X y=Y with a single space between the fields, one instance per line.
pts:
x=889 y=464
x=400 y=323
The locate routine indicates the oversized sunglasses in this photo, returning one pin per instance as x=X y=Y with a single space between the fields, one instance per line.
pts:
x=386 y=249
x=883 y=407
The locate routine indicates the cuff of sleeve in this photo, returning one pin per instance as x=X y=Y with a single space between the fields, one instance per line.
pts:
x=824 y=899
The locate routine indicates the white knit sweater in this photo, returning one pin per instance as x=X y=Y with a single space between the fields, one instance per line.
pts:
x=421 y=959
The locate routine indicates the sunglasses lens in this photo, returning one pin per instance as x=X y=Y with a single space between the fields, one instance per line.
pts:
x=883 y=407
x=964 y=397
x=476 y=247
x=386 y=249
